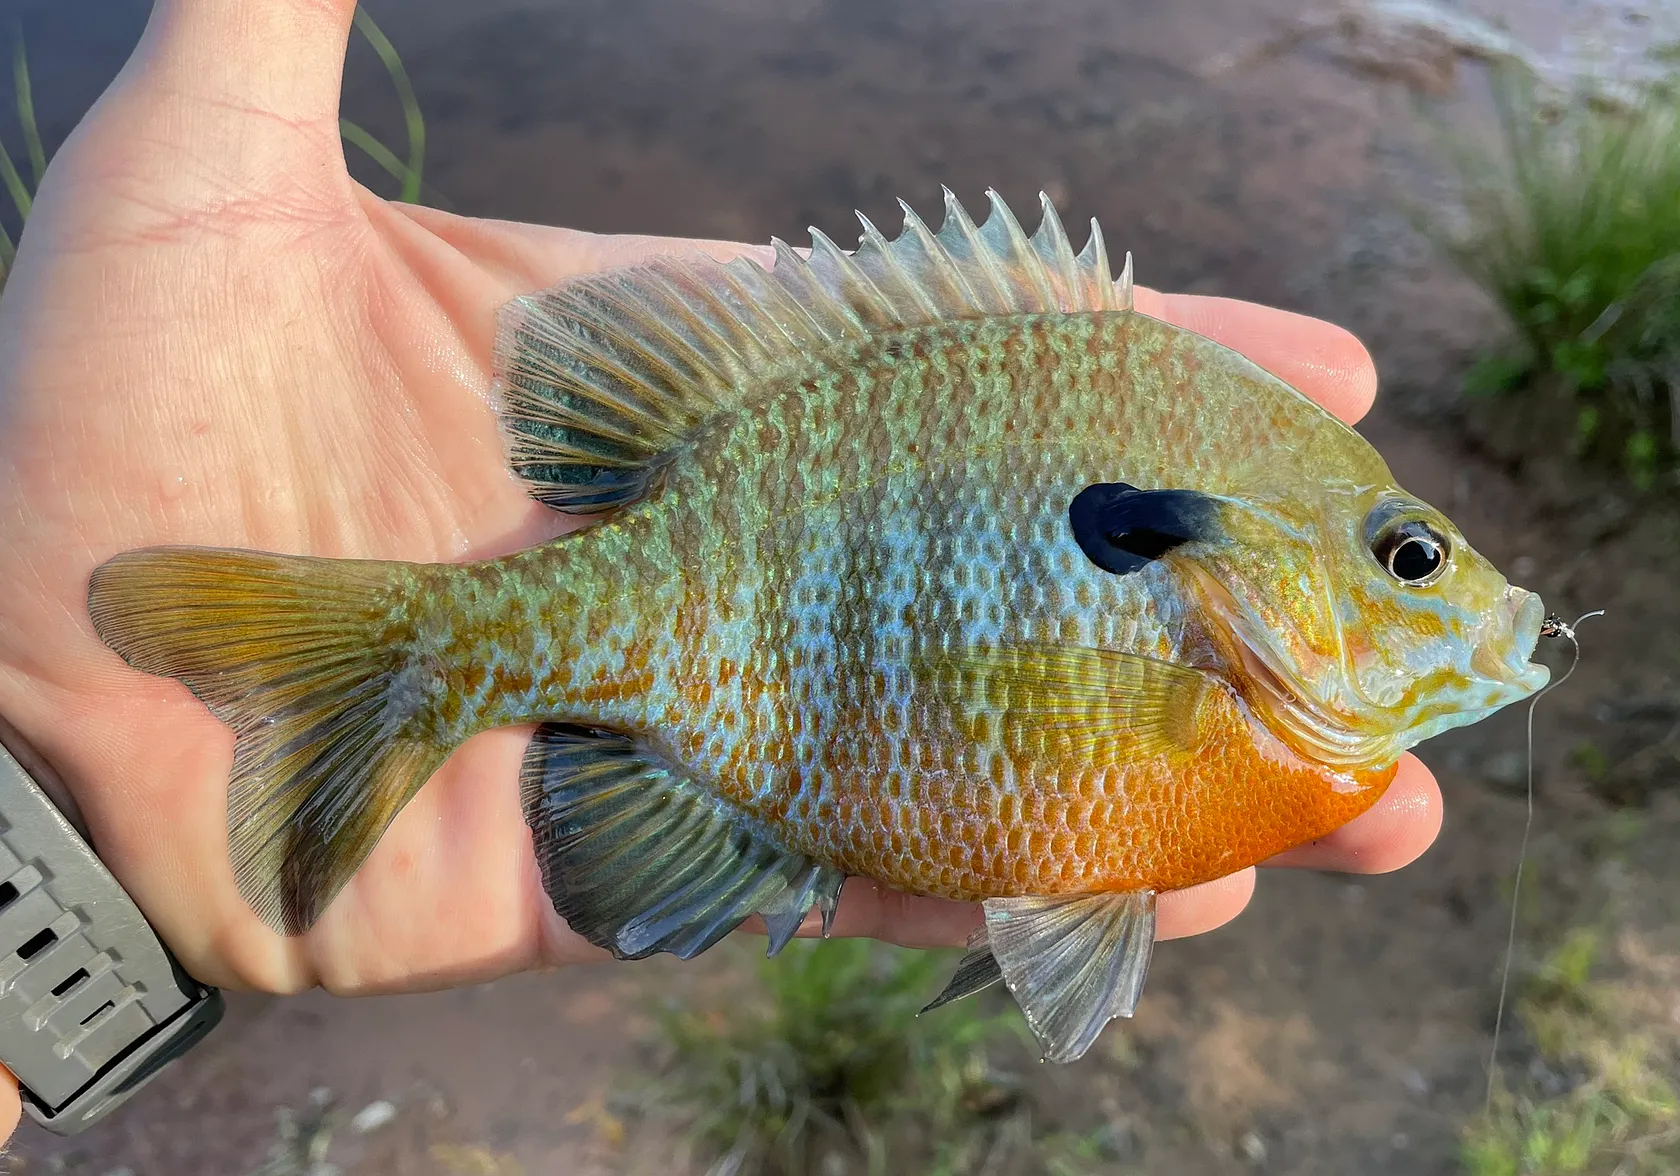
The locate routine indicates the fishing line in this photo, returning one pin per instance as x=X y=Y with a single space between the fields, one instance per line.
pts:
x=1553 y=626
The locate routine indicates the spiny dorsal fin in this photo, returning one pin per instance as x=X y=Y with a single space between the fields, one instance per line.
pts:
x=601 y=375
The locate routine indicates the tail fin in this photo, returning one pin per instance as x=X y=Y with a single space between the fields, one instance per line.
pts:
x=304 y=659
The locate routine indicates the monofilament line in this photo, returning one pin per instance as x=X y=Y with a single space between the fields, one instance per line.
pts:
x=1554 y=627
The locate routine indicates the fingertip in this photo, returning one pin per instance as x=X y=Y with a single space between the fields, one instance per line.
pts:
x=1322 y=360
x=1198 y=909
x=1392 y=833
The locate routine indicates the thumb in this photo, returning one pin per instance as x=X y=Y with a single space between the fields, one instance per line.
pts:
x=282 y=60
x=223 y=102
x=226 y=108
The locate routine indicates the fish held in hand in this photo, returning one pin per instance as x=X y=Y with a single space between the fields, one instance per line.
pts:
x=933 y=562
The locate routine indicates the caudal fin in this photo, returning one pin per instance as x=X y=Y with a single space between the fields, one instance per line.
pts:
x=305 y=660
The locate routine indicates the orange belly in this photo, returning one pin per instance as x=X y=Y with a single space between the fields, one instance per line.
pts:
x=935 y=821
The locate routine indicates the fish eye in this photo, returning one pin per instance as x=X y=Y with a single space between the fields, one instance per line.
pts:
x=1411 y=551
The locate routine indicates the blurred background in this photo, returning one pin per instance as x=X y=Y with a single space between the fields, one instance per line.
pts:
x=1489 y=196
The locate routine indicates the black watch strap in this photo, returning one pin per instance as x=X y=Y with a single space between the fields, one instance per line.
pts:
x=92 y=1005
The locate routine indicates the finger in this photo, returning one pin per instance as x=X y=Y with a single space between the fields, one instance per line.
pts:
x=871 y=910
x=1321 y=359
x=1198 y=909
x=282 y=60
x=1392 y=833
x=523 y=257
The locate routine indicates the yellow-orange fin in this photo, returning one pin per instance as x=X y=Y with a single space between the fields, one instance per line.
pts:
x=302 y=659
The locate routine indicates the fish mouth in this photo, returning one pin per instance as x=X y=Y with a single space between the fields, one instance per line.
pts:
x=1280 y=697
x=1505 y=655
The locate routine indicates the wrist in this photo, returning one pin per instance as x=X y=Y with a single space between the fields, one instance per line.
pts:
x=92 y=1005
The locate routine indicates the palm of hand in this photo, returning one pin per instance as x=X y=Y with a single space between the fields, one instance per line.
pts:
x=214 y=336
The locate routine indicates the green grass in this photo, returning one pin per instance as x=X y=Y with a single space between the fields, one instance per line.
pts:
x=407 y=172
x=1573 y=226
x=1618 y=1115
x=830 y=1069
x=20 y=188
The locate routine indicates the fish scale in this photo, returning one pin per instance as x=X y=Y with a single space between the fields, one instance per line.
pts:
x=934 y=562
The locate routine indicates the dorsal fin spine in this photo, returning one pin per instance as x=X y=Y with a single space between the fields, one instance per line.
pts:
x=1095 y=256
x=938 y=261
x=1051 y=246
x=958 y=227
x=600 y=376
x=825 y=253
x=1021 y=256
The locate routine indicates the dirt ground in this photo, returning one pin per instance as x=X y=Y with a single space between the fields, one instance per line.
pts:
x=1342 y=1024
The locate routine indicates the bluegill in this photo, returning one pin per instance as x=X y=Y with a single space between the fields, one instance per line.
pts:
x=933 y=562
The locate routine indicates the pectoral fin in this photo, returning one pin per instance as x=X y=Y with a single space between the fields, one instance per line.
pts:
x=1057 y=701
x=1073 y=963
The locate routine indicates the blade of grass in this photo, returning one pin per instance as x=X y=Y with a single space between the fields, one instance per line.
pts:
x=14 y=184
x=410 y=104
x=26 y=109
x=360 y=137
x=387 y=159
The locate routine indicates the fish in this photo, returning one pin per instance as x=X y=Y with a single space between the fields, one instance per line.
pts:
x=934 y=562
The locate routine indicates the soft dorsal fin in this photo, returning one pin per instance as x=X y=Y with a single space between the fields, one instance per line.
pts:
x=598 y=377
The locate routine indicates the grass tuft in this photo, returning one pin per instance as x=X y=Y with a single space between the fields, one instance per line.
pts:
x=1596 y=1098
x=1573 y=226
x=21 y=191
x=834 y=1071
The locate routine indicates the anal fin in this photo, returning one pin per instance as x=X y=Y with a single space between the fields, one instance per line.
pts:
x=638 y=858
x=1072 y=962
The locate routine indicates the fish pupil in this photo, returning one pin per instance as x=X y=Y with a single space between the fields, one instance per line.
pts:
x=1416 y=559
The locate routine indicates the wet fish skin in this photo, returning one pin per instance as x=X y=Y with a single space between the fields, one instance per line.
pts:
x=840 y=616
x=764 y=628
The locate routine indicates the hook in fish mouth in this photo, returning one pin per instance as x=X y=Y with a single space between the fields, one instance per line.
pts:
x=1556 y=626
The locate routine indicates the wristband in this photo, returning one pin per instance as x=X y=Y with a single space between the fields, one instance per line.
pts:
x=92 y=1005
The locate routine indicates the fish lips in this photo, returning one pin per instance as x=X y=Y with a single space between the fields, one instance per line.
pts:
x=1505 y=645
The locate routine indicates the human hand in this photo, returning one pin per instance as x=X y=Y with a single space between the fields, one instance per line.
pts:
x=214 y=336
